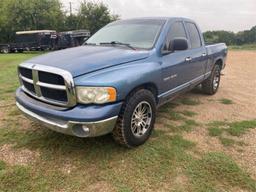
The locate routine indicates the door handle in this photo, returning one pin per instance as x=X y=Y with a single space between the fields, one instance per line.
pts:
x=204 y=54
x=188 y=59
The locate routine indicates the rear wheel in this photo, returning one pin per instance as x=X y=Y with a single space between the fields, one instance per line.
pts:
x=211 y=84
x=136 y=119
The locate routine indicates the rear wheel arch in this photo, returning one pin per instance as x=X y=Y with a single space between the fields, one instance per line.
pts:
x=219 y=62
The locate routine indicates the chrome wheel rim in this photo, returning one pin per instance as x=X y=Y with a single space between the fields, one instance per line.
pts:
x=216 y=80
x=141 y=119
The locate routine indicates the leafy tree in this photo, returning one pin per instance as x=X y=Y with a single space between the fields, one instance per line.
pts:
x=219 y=36
x=17 y=15
x=93 y=16
x=230 y=38
x=71 y=22
x=4 y=27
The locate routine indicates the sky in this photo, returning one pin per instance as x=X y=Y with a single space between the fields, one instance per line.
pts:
x=230 y=15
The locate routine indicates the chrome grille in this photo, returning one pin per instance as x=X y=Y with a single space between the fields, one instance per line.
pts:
x=49 y=84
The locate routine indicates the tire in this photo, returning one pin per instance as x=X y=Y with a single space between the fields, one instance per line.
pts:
x=5 y=50
x=211 y=85
x=133 y=128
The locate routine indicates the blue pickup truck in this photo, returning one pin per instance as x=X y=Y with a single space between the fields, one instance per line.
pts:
x=117 y=79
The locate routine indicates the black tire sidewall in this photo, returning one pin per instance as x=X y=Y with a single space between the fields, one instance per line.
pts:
x=215 y=70
x=207 y=85
x=133 y=101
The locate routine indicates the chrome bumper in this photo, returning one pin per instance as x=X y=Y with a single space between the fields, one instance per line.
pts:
x=79 y=129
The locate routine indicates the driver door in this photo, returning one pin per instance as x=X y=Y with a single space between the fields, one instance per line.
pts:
x=176 y=65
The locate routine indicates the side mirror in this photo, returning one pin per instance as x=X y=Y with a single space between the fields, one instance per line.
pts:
x=178 y=44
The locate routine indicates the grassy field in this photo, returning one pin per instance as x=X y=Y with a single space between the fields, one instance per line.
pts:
x=33 y=158
x=242 y=47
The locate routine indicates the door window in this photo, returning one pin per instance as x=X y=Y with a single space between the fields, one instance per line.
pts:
x=177 y=31
x=194 y=35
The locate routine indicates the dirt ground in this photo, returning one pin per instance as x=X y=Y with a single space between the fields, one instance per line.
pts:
x=238 y=83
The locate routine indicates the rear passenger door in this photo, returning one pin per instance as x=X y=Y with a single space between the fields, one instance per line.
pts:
x=176 y=70
x=198 y=62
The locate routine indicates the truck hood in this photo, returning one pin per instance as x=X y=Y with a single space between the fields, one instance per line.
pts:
x=86 y=59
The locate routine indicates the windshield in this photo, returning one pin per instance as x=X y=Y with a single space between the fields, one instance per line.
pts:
x=137 y=33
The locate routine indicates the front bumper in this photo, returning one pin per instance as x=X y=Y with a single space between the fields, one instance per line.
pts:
x=102 y=119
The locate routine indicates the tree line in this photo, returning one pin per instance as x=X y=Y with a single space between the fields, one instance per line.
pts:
x=231 y=38
x=23 y=15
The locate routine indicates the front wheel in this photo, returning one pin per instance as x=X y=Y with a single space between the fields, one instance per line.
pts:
x=211 y=84
x=136 y=119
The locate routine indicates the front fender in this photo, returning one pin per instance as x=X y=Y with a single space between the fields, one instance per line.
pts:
x=124 y=78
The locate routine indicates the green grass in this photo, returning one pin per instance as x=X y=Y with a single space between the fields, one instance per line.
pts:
x=215 y=131
x=226 y=101
x=233 y=128
x=217 y=128
x=14 y=179
x=170 y=118
x=2 y=165
x=191 y=122
x=240 y=128
x=218 y=172
x=175 y=116
x=100 y=164
x=8 y=75
x=186 y=125
x=188 y=113
x=189 y=101
x=153 y=163
x=227 y=141
x=168 y=107
x=243 y=47
x=25 y=178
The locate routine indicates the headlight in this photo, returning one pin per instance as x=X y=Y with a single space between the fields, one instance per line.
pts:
x=96 y=95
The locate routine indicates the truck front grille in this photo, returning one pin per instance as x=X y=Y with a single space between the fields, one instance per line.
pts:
x=49 y=84
x=51 y=78
x=26 y=72
x=29 y=86
x=57 y=95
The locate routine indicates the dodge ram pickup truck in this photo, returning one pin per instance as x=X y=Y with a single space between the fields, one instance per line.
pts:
x=117 y=79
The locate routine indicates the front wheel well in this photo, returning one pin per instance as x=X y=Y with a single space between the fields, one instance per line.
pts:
x=148 y=86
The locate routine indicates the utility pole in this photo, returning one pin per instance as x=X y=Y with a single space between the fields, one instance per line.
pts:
x=70 y=8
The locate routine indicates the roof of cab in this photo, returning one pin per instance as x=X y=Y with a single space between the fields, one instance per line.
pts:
x=163 y=19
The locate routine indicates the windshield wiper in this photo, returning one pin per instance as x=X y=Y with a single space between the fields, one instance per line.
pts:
x=118 y=43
